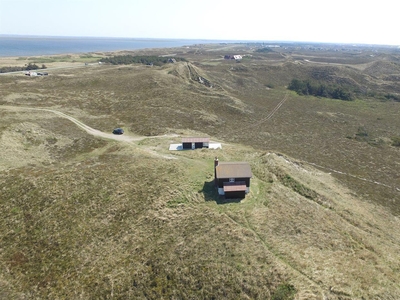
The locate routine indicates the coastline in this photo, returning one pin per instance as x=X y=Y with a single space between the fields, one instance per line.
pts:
x=62 y=51
x=28 y=46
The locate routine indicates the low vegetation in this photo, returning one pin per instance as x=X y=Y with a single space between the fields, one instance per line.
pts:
x=392 y=97
x=306 y=87
x=27 y=67
x=139 y=59
x=85 y=217
x=264 y=50
x=396 y=141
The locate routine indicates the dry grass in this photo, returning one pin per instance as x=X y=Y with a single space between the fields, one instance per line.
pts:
x=90 y=218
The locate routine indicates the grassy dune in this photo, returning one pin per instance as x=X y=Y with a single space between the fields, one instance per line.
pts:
x=91 y=218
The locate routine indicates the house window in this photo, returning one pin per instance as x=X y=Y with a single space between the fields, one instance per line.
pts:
x=231 y=179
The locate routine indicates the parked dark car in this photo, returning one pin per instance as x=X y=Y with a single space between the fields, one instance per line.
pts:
x=118 y=131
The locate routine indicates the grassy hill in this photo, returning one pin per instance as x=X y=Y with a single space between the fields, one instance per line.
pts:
x=88 y=217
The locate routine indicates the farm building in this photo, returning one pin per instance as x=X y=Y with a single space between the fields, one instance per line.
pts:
x=195 y=142
x=232 y=179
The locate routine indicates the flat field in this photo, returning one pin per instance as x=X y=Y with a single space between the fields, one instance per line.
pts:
x=89 y=215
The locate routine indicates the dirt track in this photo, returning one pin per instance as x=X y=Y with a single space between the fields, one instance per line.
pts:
x=88 y=129
x=126 y=138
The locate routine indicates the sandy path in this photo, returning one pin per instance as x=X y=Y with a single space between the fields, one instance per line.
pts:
x=88 y=129
x=122 y=138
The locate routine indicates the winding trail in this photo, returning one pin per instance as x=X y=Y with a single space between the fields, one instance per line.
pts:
x=354 y=176
x=278 y=258
x=271 y=114
x=130 y=139
x=88 y=129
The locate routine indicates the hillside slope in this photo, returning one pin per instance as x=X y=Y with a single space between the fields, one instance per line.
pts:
x=85 y=216
x=128 y=224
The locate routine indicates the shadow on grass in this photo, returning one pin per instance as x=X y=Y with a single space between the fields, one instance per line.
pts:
x=211 y=194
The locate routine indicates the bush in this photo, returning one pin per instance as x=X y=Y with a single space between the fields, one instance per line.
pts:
x=264 y=50
x=306 y=87
x=130 y=59
x=396 y=141
x=284 y=292
x=362 y=132
x=392 y=97
x=28 y=67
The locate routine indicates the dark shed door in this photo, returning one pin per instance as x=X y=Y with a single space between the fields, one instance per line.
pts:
x=187 y=145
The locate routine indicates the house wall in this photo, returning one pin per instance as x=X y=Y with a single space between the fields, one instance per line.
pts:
x=220 y=184
x=198 y=145
x=222 y=193
x=235 y=195
x=222 y=180
x=195 y=145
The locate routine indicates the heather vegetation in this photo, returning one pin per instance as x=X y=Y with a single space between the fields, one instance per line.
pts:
x=306 y=87
x=264 y=50
x=139 y=59
x=392 y=97
x=28 y=67
x=396 y=141
x=90 y=215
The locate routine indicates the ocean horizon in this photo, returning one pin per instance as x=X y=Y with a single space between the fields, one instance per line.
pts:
x=20 y=46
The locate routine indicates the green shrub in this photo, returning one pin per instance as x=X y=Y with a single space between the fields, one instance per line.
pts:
x=284 y=292
x=362 y=132
x=264 y=50
x=306 y=87
x=396 y=141
x=141 y=59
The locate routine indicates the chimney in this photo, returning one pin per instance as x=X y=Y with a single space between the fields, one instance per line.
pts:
x=215 y=170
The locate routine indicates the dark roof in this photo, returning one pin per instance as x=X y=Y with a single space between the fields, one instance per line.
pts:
x=238 y=186
x=233 y=170
x=195 y=140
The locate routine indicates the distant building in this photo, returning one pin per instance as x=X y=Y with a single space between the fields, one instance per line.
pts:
x=172 y=60
x=235 y=57
x=195 y=142
x=232 y=179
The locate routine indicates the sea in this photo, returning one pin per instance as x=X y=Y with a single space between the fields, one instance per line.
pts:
x=21 y=46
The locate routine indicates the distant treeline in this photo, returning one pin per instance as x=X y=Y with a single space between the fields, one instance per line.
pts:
x=147 y=60
x=306 y=87
x=27 y=67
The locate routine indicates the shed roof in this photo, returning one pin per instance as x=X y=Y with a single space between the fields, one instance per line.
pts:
x=233 y=170
x=238 y=186
x=195 y=140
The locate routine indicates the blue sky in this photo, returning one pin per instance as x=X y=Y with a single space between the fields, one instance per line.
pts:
x=339 y=21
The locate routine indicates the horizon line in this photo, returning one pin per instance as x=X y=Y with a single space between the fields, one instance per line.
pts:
x=199 y=39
